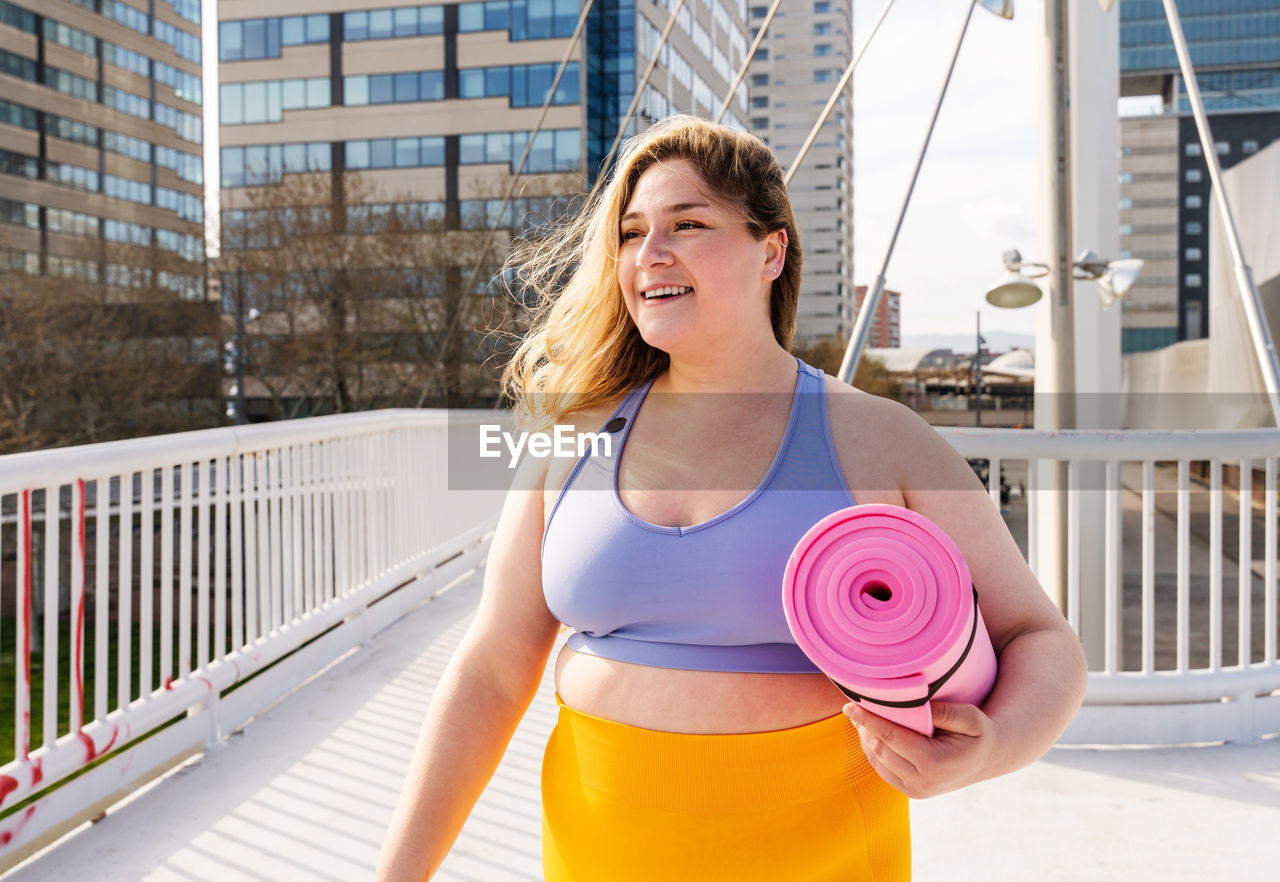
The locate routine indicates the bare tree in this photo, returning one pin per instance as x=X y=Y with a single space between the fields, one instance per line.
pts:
x=363 y=302
x=871 y=376
x=83 y=361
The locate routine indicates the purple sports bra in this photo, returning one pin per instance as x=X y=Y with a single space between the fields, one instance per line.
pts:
x=706 y=597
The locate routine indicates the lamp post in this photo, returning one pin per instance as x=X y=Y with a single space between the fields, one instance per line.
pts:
x=977 y=374
x=238 y=354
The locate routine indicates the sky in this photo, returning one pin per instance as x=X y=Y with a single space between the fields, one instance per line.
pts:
x=977 y=193
x=976 y=196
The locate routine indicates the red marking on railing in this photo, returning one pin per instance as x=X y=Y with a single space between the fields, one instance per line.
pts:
x=168 y=683
x=91 y=751
x=25 y=661
x=7 y=786
x=77 y=660
x=206 y=682
x=8 y=836
x=37 y=772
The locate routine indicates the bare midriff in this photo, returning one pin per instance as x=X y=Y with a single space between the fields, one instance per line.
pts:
x=692 y=702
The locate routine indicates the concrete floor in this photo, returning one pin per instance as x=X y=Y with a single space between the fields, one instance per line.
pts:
x=305 y=791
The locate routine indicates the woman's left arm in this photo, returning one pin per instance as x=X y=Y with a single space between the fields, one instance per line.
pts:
x=1041 y=675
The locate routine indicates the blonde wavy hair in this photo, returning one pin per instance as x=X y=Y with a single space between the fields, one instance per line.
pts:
x=582 y=347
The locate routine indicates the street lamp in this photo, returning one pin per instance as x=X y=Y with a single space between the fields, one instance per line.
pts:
x=1015 y=288
x=234 y=362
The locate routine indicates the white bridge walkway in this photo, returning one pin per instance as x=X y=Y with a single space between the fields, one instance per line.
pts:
x=305 y=790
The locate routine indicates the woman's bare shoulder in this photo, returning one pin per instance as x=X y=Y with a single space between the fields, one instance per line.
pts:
x=876 y=440
x=581 y=420
x=857 y=414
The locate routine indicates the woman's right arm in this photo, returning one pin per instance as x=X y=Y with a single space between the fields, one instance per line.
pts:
x=482 y=695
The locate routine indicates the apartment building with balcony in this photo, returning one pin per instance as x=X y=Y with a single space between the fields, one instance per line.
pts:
x=808 y=46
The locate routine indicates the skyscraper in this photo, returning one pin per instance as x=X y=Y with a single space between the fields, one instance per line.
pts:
x=1164 y=183
x=100 y=142
x=809 y=44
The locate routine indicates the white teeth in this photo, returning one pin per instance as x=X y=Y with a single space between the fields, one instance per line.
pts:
x=667 y=291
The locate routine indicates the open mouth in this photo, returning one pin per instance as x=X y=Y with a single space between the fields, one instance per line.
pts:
x=669 y=292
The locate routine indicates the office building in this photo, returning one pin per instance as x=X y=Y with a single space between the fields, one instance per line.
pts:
x=100 y=143
x=1165 y=197
x=885 y=331
x=433 y=103
x=799 y=63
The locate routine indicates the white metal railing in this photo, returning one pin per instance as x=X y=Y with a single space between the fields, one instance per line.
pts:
x=142 y=580
x=1175 y=656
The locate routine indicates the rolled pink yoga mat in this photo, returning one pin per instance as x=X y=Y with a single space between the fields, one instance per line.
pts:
x=880 y=599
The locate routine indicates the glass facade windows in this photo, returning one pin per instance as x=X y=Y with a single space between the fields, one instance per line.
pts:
x=1192 y=175
x=186 y=45
x=1192 y=280
x=524 y=19
x=71 y=84
x=1193 y=201
x=188 y=126
x=1193 y=254
x=1146 y=339
x=187 y=166
x=19 y=115
x=73 y=130
x=266 y=100
x=72 y=38
x=72 y=176
x=129 y=233
x=427 y=85
x=1192 y=148
x=254 y=165
x=127 y=189
x=126 y=15
x=17 y=17
x=557 y=150
x=1193 y=228
x=20 y=214
x=525 y=85
x=186 y=86
x=380 y=24
x=126 y=59
x=389 y=153
x=185 y=205
x=249 y=39
x=126 y=102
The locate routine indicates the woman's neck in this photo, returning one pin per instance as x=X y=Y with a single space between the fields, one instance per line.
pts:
x=770 y=370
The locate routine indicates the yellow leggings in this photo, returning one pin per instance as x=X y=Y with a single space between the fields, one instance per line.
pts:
x=795 y=805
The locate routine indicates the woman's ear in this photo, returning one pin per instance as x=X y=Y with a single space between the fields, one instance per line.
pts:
x=775 y=253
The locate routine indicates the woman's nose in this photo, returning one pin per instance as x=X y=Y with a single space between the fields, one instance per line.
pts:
x=654 y=250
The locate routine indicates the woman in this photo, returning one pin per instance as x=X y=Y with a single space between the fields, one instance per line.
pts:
x=694 y=739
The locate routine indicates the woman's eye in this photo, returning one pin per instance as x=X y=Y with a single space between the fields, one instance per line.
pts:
x=687 y=225
x=630 y=235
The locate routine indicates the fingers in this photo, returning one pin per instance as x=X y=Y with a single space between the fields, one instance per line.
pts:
x=887 y=745
x=963 y=719
x=922 y=766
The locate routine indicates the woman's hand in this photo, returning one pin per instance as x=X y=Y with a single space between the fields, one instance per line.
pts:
x=962 y=750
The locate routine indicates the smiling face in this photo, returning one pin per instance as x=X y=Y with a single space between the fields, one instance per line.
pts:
x=690 y=272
